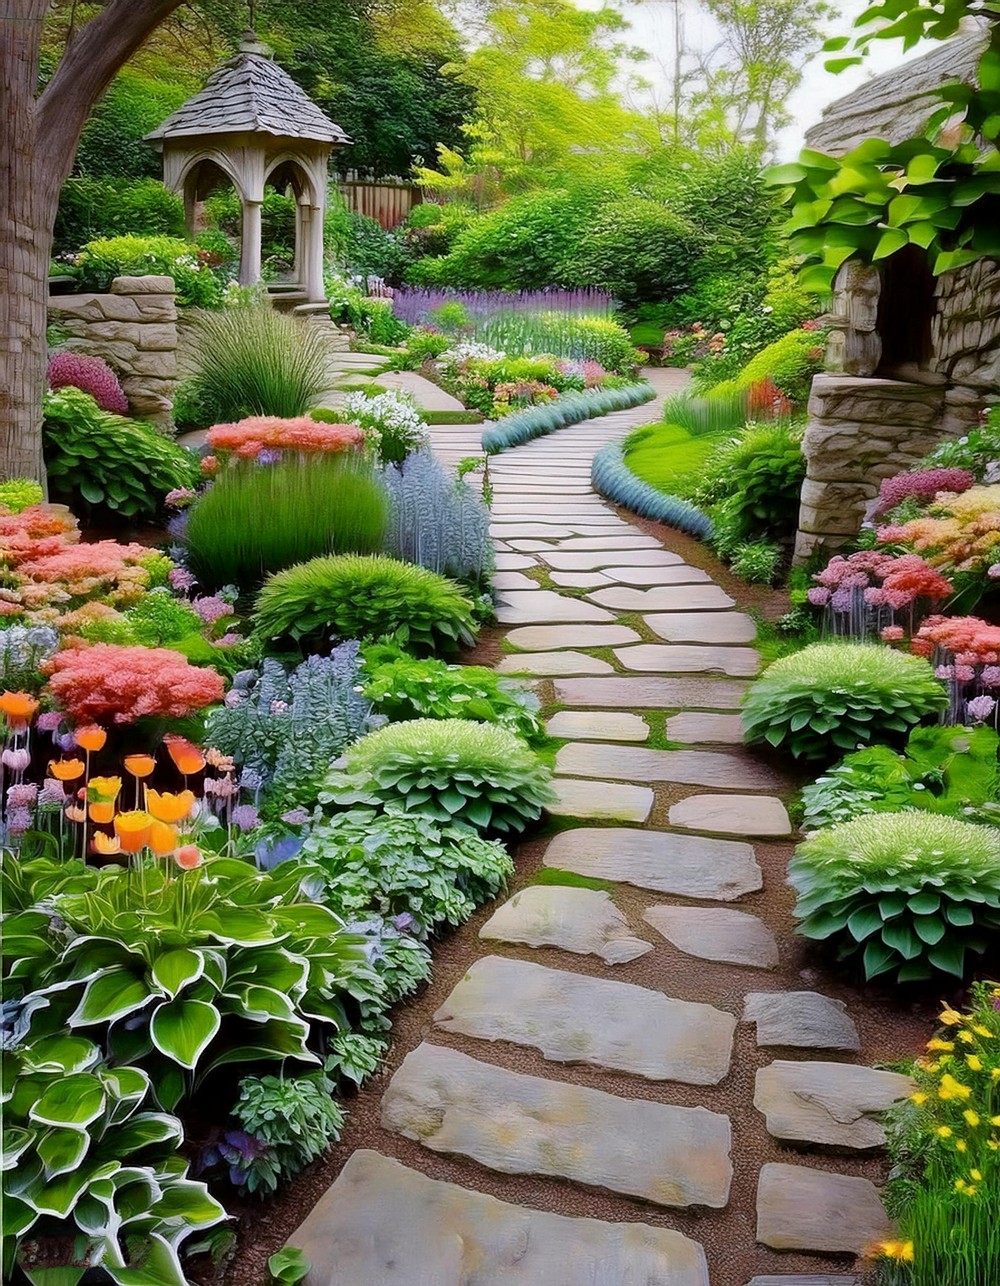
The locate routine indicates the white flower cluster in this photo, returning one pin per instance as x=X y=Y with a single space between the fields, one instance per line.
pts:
x=469 y=350
x=390 y=414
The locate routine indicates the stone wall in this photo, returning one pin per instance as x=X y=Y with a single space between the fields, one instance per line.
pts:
x=134 y=328
x=862 y=429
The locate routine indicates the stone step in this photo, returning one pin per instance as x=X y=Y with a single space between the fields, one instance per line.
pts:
x=573 y=1018
x=664 y=598
x=383 y=1224
x=544 y=607
x=679 y=574
x=517 y=1124
x=597 y=725
x=692 y=727
x=718 y=870
x=667 y=658
x=756 y=815
x=550 y=663
x=545 y=638
x=681 y=767
x=711 y=933
x=583 y=921
x=835 y=1104
x=576 y=560
x=703 y=627
x=651 y=693
x=799 y=1208
x=800 y=1020
x=609 y=801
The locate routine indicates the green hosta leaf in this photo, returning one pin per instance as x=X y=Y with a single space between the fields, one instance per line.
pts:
x=929 y=929
x=66 y=1054
x=16 y=1216
x=878 y=958
x=75 y=1101
x=864 y=922
x=189 y=1200
x=60 y=1195
x=914 y=971
x=958 y=914
x=901 y=938
x=924 y=903
x=949 y=957
x=183 y=1029
x=891 y=240
x=110 y=996
x=156 y=1263
x=62 y=1150
x=174 y=970
x=144 y=1130
x=16 y=1142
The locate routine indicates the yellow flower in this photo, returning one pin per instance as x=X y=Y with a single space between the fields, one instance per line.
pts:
x=896 y=1249
x=965 y=1037
x=995 y=1073
x=995 y=1120
x=970 y=1189
x=975 y=1174
x=950 y=1017
x=960 y=1185
x=946 y=1046
x=974 y=1062
x=971 y=1117
x=993 y=1145
x=985 y=1032
x=944 y=1131
x=955 y=1088
x=960 y=1145
x=919 y=1098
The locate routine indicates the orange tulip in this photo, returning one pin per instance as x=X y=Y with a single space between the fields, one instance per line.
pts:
x=91 y=737
x=66 y=769
x=162 y=839
x=166 y=807
x=187 y=758
x=102 y=812
x=19 y=707
x=188 y=857
x=106 y=844
x=133 y=830
x=103 y=789
x=140 y=765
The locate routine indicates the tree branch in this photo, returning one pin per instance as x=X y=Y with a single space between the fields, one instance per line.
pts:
x=92 y=57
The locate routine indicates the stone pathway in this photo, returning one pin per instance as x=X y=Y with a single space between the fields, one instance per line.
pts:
x=597 y=1047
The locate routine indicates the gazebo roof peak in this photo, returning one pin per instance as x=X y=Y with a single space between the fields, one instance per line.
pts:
x=250 y=93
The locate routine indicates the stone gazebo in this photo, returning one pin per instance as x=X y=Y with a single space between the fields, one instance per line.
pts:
x=252 y=125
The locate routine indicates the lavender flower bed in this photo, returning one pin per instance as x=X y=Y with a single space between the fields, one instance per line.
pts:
x=413 y=305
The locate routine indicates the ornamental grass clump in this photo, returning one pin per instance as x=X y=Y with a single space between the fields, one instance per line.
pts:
x=354 y=597
x=837 y=696
x=903 y=894
x=476 y=774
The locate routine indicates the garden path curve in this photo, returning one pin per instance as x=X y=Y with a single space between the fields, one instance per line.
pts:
x=631 y=1085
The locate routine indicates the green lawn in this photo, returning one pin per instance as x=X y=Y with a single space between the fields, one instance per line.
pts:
x=647 y=333
x=669 y=457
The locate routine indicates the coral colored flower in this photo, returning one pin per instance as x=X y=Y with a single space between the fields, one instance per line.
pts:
x=188 y=857
x=187 y=758
x=106 y=844
x=133 y=830
x=66 y=769
x=90 y=738
x=166 y=807
x=122 y=684
x=162 y=838
x=209 y=465
x=19 y=707
x=139 y=765
x=249 y=437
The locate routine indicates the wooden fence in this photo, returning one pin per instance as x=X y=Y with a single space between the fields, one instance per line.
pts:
x=388 y=201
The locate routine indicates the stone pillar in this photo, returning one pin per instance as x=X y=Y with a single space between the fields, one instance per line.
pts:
x=854 y=346
x=250 y=243
x=313 y=229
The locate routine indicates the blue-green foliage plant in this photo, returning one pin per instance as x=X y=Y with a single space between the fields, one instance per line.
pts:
x=294 y=1117
x=571 y=408
x=437 y=520
x=612 y=477
x=23 y=649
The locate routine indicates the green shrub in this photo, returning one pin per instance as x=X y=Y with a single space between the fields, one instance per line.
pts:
x=402 y=687
x=99 y=262
x=789 y=363
x=257 y=519
x=405 y=864
x=949 y=770
x=706 y=415
x=909 y=893
x=113 y=143
x=637 y=248
x=752 y=484
x=17 y=494
x=100 y=462
x=837 y=696
x=256 y=361
x=475 y=774
x=297 y=1120
x=365 y=598
x=757 y=562
x=93 y=208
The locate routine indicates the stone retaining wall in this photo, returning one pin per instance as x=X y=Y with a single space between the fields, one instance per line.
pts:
x=134 y=328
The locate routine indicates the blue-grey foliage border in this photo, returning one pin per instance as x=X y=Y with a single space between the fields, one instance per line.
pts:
x=571 y=408
x=612 y=477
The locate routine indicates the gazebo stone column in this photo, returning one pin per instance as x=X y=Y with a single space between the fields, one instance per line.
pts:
x=250 y=244
x=313 y=252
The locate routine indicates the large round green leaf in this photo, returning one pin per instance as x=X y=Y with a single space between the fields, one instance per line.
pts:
x=110 y=996
x=174 y=970
x=74 y=1101
x=183 y=1029
x=62 y=1150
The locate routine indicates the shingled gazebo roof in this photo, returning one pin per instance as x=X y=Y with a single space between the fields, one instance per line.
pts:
x=898 y=104
x=249 y=93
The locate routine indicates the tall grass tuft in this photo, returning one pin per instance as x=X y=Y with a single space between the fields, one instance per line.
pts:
x=257 y=519
x=702 y=416
x=256 y=361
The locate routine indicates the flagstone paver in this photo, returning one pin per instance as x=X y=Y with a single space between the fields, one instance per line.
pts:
x=449 y=1102
x=543 y=607
x=651 y=693
x=582 y=560
x=514 y=580
x=584 y=921
x=800 y=1208
x=800 y=1020
x=637 y=1030
x=514 y=562
x=684 y=767
x=692 y=727
x=702 y=627
x=579 y=580
x=718 y=870
x=609 y=801
x=664 y=598
x=597 y=725
x=678 y=574
x=732 y=814
x=716 y=934
x=667 y=658
x=548 y=663
x=829 y=1103
x=542 y=638
x=383 y=1224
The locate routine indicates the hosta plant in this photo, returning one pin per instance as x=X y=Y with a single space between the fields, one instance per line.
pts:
x=832 y=697
x=365 y=598
x=402 y=863
x=903 y=894
x=477 y=774
x=93 y=1175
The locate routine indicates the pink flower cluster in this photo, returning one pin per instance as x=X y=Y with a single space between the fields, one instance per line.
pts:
x=111 y=684
x=249 y=437
x=93 y=376
x=870 y=585
x=966 y=654
x=923 y=485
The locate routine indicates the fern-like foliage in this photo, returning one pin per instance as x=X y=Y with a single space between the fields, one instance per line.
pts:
x=571 y=408
x=438 y=520
x=612 y=477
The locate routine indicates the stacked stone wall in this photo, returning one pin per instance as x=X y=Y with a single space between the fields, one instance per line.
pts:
x=134 y=328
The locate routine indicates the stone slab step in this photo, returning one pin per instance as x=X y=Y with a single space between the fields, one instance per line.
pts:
x=703 y=627
x=383 y=1224
x=507 y=580
x=758 y=815
x=577 y=560
x=584 y=921
x=547 y=638
x=800 y=1020
x=609 y=801
x=682 y=767
x=549 y=663
x=545 y=606
x=694 y=727
x=597 y=725
x=830 y=1103
x=680 y=574
x=579 y=580
x=718 y=870
x=664 y=598
x=651 y=693
x=666 y=658
x=712 y=933
x=513 y=562
x=449 y=1102
x=799 y=1208
x=572 y=1018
